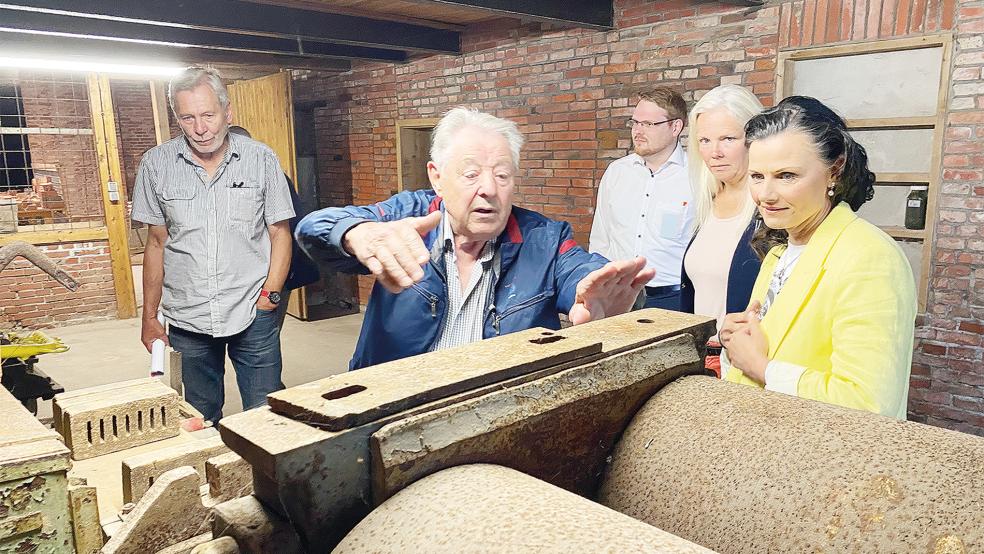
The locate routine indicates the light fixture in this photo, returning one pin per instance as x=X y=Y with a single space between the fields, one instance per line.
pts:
x=25 y=62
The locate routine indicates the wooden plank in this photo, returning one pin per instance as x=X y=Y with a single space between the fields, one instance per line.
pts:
x=38 y=238
x=784 y=77
x=104 y=126
x=357 y=397
x=575 y=415
x=19 y=426
x=902 y=177
x=158 y=102
x=870 y=47
x=892 y=122
x=16 y=526
x=903 y=233
x=936 y=170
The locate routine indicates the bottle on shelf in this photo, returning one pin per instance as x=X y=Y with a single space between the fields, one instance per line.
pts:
x=915 y=207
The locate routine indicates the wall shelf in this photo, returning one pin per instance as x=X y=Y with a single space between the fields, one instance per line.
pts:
x=903 y=233
x=901 y=178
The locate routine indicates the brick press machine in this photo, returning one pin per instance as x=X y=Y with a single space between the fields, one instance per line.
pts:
x=601 y=437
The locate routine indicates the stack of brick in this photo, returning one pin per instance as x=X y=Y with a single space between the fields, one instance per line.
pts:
x=109 y=418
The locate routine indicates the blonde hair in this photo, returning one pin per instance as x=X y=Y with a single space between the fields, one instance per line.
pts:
x=742 y=105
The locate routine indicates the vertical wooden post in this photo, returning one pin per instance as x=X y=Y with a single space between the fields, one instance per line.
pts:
x=107 y=152
x=158 y=101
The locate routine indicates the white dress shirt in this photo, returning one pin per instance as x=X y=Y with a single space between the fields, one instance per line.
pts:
x=646 y=213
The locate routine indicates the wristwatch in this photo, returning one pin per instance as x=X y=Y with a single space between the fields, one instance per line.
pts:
x=271 y=295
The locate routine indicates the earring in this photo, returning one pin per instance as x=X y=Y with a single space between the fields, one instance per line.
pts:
x=830 y=189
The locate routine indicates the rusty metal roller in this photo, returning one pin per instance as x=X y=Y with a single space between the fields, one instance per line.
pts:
x=740 y=470
x=489 y=508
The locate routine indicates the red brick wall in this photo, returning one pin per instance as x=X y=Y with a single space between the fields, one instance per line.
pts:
x=134 y=125
x=570 y=92
x=59 y=100
x=948 y=372
x=30 y=298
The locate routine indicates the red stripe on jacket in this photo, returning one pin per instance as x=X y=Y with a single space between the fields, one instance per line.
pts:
x=567 y=245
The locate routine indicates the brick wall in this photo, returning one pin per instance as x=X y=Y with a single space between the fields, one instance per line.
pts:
x=570 y=92
x=61 y=101
x=134 y=125
x=30 y=298
x=948 y=372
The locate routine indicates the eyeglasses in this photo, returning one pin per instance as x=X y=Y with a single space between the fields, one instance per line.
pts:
x=648 y=124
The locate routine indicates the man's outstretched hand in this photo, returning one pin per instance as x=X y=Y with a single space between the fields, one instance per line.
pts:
x=610 y=290
x=393 y=251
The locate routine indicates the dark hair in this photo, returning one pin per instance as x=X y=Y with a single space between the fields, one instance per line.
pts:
x=854 y=182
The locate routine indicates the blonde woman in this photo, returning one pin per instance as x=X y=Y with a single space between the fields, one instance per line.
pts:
x=719 y=267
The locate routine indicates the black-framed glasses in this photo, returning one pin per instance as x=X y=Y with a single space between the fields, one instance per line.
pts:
x=648 y=124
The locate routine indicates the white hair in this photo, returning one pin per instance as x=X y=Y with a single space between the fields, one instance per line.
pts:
x=191 y=78
x=459 y=118
x=742 y=105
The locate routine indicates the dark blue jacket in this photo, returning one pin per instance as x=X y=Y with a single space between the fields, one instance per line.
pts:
x=540 y=266
x=741 y=275
x=303 y=271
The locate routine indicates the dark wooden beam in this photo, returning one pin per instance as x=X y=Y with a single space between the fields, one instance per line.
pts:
x=235 y=16
x=53 y=23
x=592 y=14
x=113 y=51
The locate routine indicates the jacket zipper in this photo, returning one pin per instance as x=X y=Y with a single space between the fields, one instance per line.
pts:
x=525 y=304
x=495 y=318
x=431 y=299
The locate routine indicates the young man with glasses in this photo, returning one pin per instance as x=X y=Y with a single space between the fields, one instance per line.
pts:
x=645 y=201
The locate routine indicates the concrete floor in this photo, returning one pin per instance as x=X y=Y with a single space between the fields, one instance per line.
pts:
x=109 y=351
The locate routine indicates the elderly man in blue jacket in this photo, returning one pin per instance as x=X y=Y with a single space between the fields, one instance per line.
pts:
x=460 y=263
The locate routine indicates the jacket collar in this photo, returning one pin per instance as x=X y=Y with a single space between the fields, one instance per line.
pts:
x=506 y=245
x=807 y=273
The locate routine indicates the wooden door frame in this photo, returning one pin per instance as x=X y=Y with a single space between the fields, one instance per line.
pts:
x=401 y=124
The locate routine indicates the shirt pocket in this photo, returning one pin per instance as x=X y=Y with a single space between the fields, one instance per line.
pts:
x=245 y=201
x=670 y=223
x=178 y=202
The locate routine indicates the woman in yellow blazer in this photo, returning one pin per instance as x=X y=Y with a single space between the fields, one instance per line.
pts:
x=833 y=308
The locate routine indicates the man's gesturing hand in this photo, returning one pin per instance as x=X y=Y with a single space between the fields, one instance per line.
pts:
x=393 y=251
x=610 y=290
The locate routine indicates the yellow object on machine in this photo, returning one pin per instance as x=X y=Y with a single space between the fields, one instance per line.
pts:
x=26 y=345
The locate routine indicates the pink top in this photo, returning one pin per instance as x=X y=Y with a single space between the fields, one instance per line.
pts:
x=708 y=263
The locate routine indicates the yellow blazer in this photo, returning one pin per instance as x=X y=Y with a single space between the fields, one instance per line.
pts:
x=846 y=314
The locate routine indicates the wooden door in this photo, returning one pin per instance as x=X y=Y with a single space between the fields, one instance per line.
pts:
x=264 y=106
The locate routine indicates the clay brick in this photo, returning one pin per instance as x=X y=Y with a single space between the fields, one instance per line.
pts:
x=229 y=476
x=141 y=471
x=113 y=420
x=171 y=512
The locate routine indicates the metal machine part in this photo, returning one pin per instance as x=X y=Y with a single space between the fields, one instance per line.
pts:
x=617 y=411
